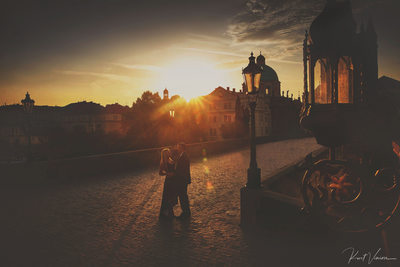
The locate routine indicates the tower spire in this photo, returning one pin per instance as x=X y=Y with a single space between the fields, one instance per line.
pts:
x=370 y=26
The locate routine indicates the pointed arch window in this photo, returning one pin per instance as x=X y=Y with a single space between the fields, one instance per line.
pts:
x=345 y=80
x=322 y=82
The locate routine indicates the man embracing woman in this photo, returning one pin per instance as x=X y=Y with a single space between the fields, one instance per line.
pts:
x=175 y=166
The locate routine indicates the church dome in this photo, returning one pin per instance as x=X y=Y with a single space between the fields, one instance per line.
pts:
x=268 y=74
x=334 y=27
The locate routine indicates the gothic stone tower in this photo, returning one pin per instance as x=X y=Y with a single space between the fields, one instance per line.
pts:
x=341 y=104
x=341 y=63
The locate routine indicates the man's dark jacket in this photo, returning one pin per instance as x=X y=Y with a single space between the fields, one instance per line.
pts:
x=183 y=169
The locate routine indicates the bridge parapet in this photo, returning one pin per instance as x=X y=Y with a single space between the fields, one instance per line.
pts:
x=86 y=166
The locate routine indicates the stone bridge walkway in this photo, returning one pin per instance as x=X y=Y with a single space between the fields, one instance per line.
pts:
x=113 y=221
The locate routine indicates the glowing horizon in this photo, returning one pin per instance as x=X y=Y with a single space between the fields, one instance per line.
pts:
x=129 y=51
x=191 y=77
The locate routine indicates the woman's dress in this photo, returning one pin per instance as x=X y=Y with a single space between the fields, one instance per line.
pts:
x=169 y=196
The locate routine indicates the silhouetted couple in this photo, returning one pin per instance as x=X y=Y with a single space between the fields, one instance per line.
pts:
x=175 y=165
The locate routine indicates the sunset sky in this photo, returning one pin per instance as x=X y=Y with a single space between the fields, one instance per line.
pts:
x=110 y=51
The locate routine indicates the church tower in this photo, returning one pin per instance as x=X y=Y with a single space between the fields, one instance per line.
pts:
x=165 y=94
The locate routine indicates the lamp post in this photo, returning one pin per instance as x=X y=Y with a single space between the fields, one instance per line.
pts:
x=172 y=113
x=252 y=75
x=28 y=104
x=172 y=118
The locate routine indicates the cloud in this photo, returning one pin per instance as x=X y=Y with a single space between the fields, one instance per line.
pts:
x=286 y=61
x=274 y=26
x=139 y=67
x=207 y=39
x=215 y=52
x=109 y=76
x=268 y=20
x=274 y=19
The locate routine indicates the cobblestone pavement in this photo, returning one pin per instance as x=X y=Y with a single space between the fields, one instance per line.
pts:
x=113 y=221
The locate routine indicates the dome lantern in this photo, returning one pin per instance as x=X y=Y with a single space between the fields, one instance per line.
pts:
x=260 y=60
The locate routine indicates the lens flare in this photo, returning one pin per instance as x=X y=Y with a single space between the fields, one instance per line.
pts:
x=209 y=185
x=206 y=170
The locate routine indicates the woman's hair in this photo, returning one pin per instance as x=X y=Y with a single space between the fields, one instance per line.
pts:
x=165 y=154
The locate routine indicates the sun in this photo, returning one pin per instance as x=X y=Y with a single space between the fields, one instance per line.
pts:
x=191 y=77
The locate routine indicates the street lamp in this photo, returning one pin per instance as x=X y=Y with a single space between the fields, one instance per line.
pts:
x=252 y=75
x=172 y=113
x=28 y=104
x=173 y=124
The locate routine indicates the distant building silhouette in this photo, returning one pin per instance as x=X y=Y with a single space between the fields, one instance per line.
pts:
x=89 y=117
x=275 y=114
x=84 y=117
x=221 y=107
